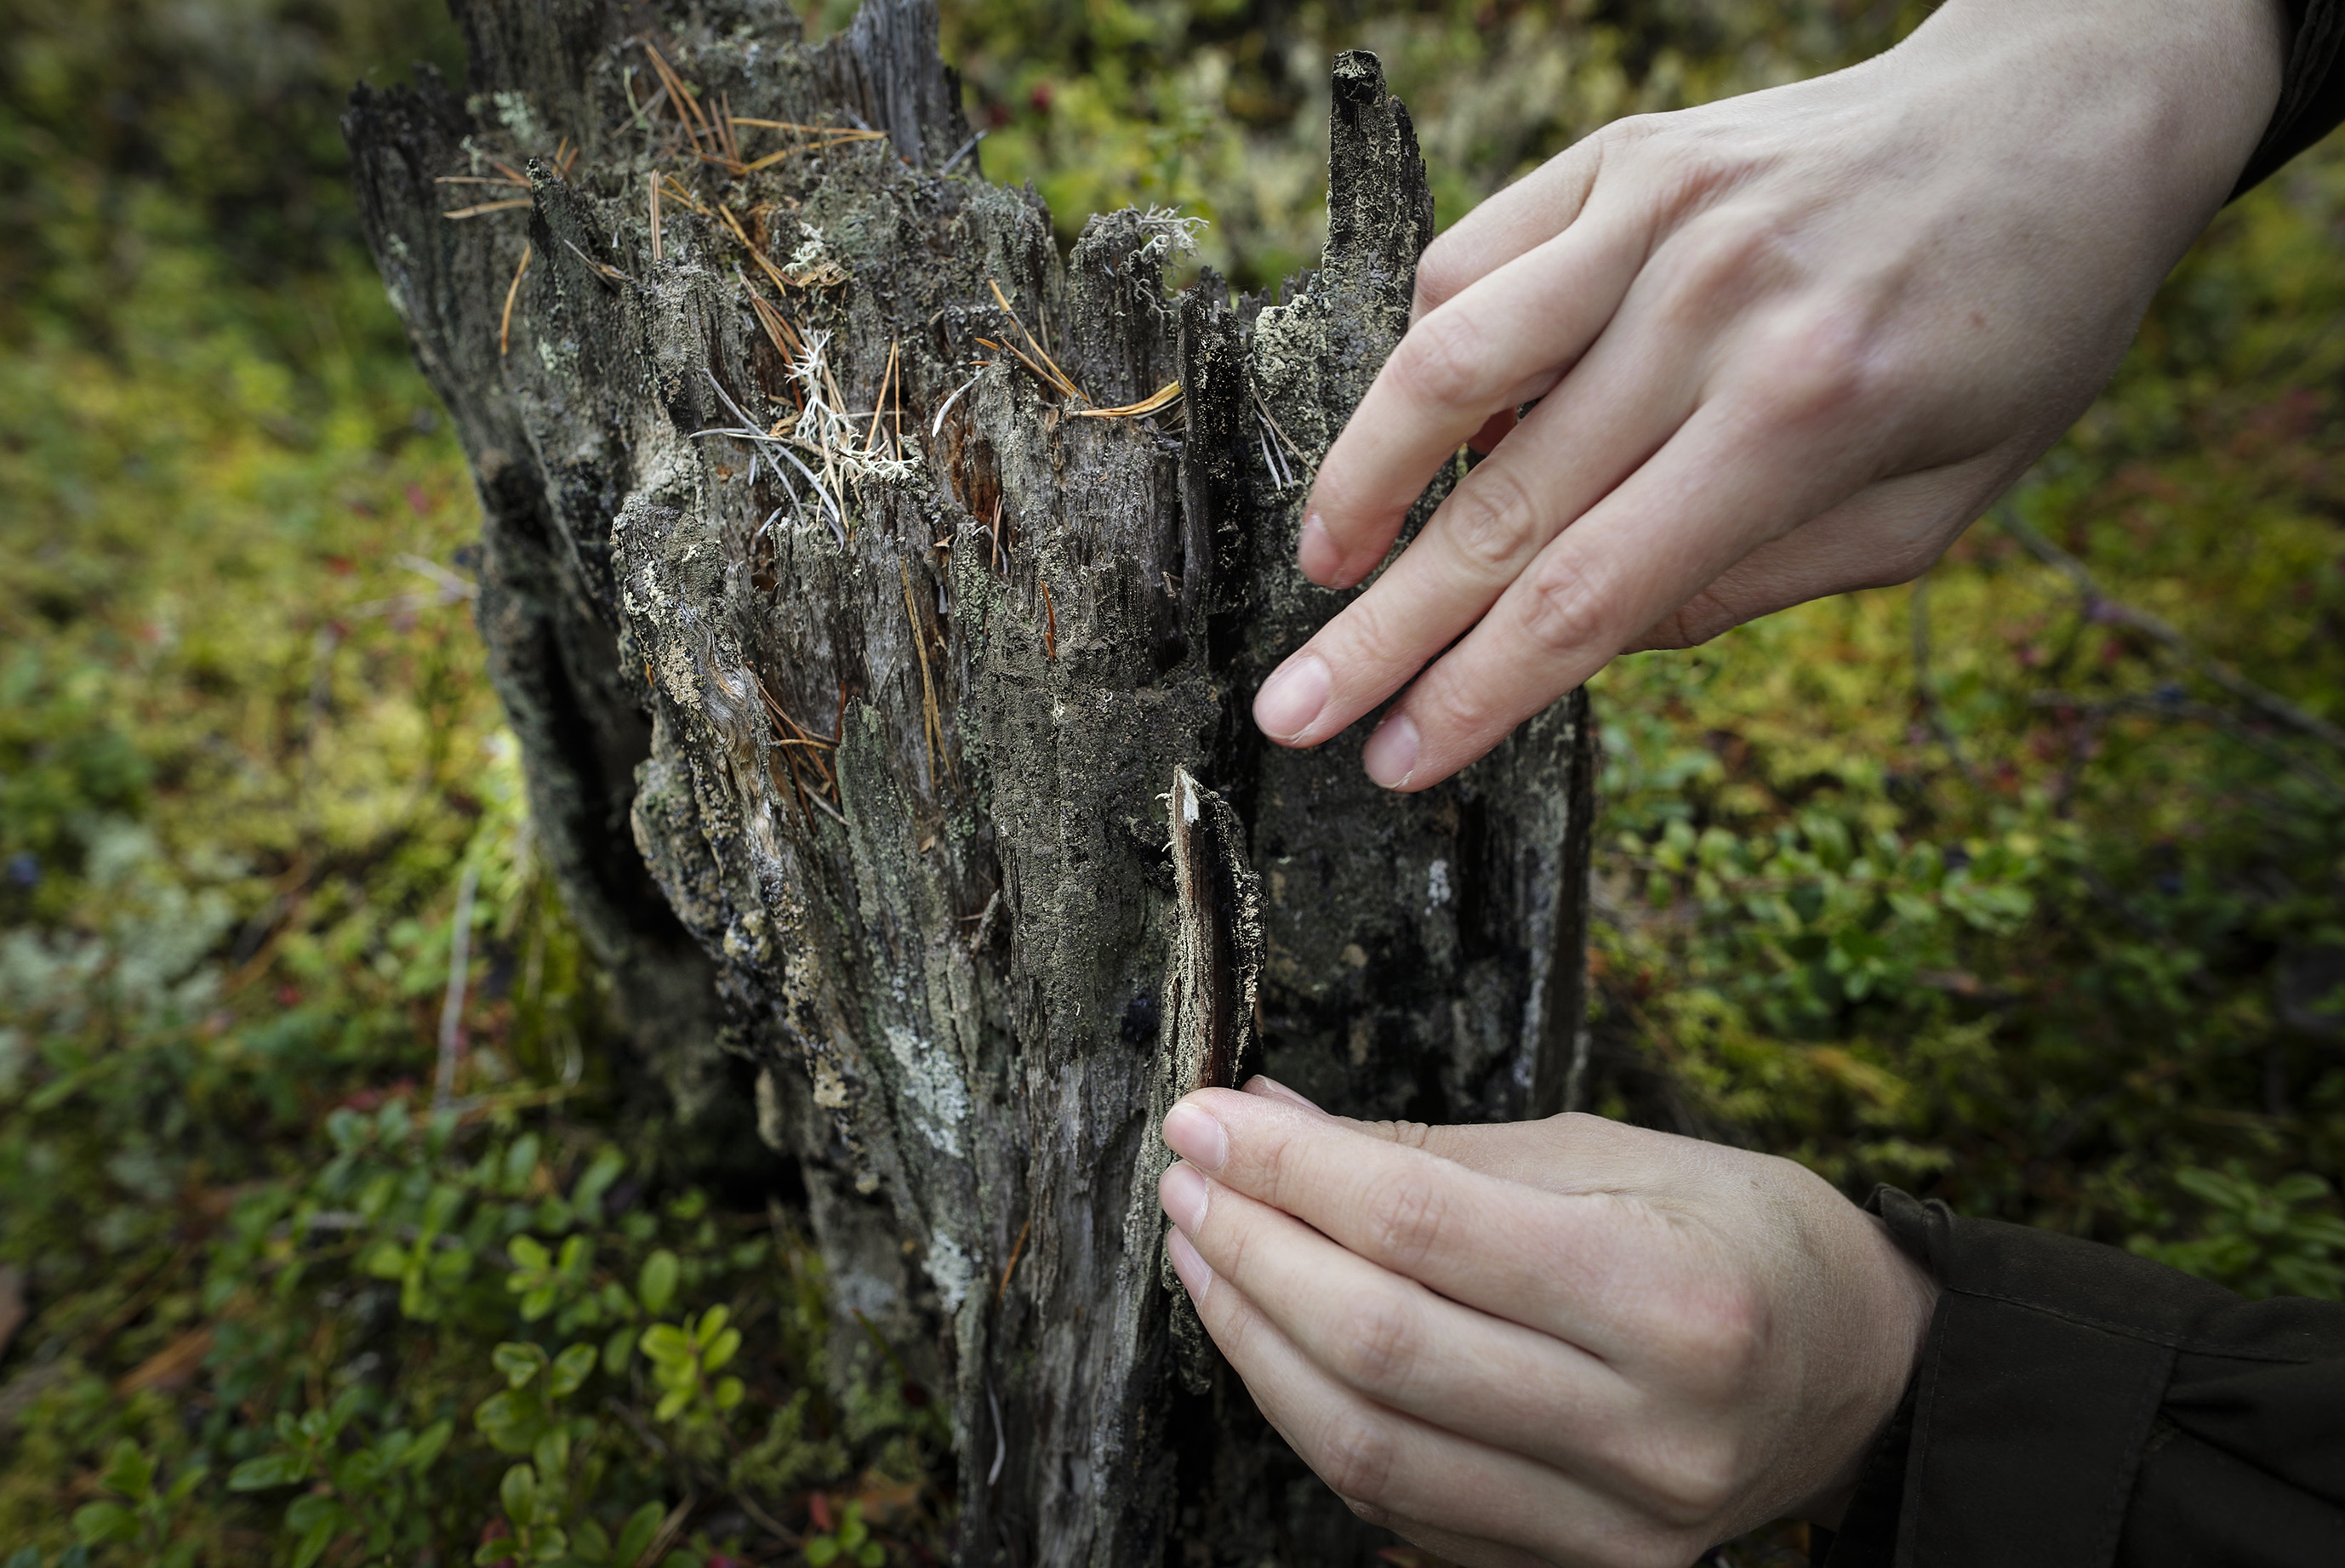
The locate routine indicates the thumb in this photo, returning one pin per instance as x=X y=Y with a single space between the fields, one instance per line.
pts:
x=1567 y=1154
x=1498 y=1150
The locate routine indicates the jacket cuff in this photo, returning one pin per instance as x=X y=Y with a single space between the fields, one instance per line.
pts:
x=2029 y=1407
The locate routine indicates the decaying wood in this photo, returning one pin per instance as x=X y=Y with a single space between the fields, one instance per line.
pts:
x=850 y=566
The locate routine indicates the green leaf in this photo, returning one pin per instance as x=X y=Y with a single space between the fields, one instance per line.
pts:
x=314 y=1542
x=820 y=1551
x=720 y=1349
x=518 y=1492
x=311 y=1509
x=519 y=1361
x=671 y=1404
x=728 y=1393
x=552 y=1456
x=591 y=1543
x=569 y=1369
x=493 y=1552
x=190 y=1478
x=636 y=1535
x=586 y=1198
x=510 y=1421
x=618 y=1350
x=104 y=1524
x=130 y=1471
x=427 y=1447
x=269 y=1470
x=712 y=1323
x=655 y=1285
x=872 y=1554
x=665 y=1344
x=520 y=1159
x=529 y=1254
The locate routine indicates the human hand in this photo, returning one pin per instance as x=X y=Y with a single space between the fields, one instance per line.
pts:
x=1784 y=346
x=1566 y=1341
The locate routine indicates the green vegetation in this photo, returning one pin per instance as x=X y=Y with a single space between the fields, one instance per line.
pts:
x=2046 y=924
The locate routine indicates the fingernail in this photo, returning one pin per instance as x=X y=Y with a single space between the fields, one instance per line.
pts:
x=1291 y=699
x=1390 y=755
x=1271 y=1088
x=1195 y=1277
x=1183 y=1193
x=1316 y=554
x=1196 y=1136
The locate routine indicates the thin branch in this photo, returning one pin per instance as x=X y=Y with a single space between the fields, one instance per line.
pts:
x=2268 y=703
x=452 y=1008
x=1926 y=683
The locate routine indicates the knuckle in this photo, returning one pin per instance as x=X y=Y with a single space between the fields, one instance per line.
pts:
x=1443 y=359
x=1446 y=706
x=1565 y=614
x=1378 y=1345
x=1488 y=521
x=1822 y=363
x=1696 y=1479
x=1355 y=1455
x=1442 y=274
x=1410 y=1218
x=1716 y=1342
x=1407 y=1134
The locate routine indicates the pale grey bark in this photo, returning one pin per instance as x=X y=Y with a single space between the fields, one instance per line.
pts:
x=956 y=946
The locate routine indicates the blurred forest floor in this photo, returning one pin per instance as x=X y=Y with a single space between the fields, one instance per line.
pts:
x=2019 y=888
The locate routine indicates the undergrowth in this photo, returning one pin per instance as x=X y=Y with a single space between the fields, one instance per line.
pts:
x=2017 y=893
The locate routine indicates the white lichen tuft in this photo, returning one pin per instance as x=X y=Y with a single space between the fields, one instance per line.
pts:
x=1172 y=237
x=951 y=1270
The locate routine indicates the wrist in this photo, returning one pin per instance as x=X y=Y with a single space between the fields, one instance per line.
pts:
x=2164 y=100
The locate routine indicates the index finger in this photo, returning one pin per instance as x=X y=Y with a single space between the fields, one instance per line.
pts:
x=1505 y=340
x=1584 y=1268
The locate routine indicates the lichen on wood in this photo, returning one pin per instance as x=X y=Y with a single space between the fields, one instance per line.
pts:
x=798 y=508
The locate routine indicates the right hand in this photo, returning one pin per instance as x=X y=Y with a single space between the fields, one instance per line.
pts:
x=1784 y=345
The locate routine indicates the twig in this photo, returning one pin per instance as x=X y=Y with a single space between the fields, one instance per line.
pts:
x=977 y=942
x=937 y=424
x=504 y=325
x=1162 y=397
x=680 y=95
x=967 y=147
x=2264 y=700
x=602 y=269
x=1000 y=1437
x=1925 y=685
x=2198 y=712
x=1001 y=1293
x=931 y=729
x=657 y=253
x=1049 y=368
x=488 y=206
x=451 y=1008
x=1050 y=625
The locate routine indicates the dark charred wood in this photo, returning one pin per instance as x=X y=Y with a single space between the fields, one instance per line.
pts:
x=874 y=748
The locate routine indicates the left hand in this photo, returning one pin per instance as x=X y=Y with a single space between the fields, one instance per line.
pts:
x=1566 y=1341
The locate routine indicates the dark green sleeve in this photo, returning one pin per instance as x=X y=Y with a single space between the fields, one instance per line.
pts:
x=2312 y=91
x=2079 y=1407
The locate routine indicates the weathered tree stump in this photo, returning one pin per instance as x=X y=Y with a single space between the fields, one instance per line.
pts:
x=836 y=594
